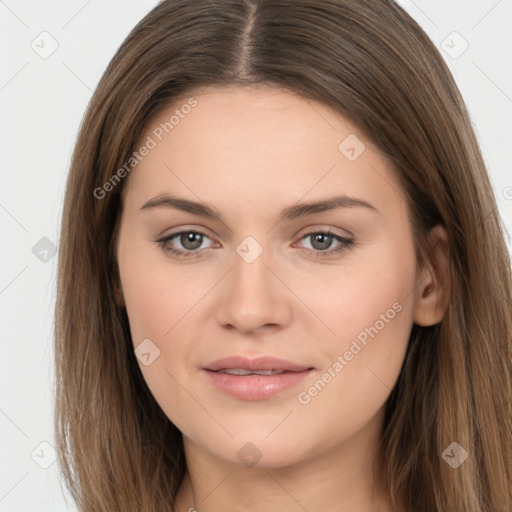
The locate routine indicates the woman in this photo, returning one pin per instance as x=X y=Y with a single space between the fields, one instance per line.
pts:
x=283 y=281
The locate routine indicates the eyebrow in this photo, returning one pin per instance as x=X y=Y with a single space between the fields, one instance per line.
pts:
x=289 y=213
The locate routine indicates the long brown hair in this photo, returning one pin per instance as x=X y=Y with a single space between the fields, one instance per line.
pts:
x=369 y=60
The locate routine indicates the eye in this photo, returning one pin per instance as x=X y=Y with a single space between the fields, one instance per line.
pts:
x=321 y=241
x=191 y=240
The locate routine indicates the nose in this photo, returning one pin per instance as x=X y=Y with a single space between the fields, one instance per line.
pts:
x=254 y=297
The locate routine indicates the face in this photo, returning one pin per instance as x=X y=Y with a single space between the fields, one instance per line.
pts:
x=324 y=295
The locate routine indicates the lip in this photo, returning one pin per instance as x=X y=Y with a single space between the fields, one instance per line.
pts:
x=260 y=363
x=255 y=387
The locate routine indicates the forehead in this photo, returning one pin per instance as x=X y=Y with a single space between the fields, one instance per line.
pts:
x=247 y=145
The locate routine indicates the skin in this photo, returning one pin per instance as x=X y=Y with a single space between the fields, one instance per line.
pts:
x=250 y=153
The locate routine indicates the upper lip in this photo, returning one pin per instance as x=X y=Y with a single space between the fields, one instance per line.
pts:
x=257 y=364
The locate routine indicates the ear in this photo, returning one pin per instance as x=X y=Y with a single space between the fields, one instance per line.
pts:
x=434 y=286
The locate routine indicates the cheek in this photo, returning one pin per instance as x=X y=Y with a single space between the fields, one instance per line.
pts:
x=157 y=294
x=370 y=295
x=157 y=303
x=359 y=374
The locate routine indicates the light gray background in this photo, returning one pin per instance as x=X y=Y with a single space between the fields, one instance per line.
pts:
x=42 y=101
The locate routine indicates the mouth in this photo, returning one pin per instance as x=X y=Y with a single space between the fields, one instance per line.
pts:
x=240 y=371
x=255 y=379
x=240 y=363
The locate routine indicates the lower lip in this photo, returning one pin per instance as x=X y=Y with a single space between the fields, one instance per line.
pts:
x=256 y=387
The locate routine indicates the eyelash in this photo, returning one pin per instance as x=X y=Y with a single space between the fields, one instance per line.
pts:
x=346 y=243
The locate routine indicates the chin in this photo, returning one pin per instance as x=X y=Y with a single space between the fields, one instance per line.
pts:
x=258 y=451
